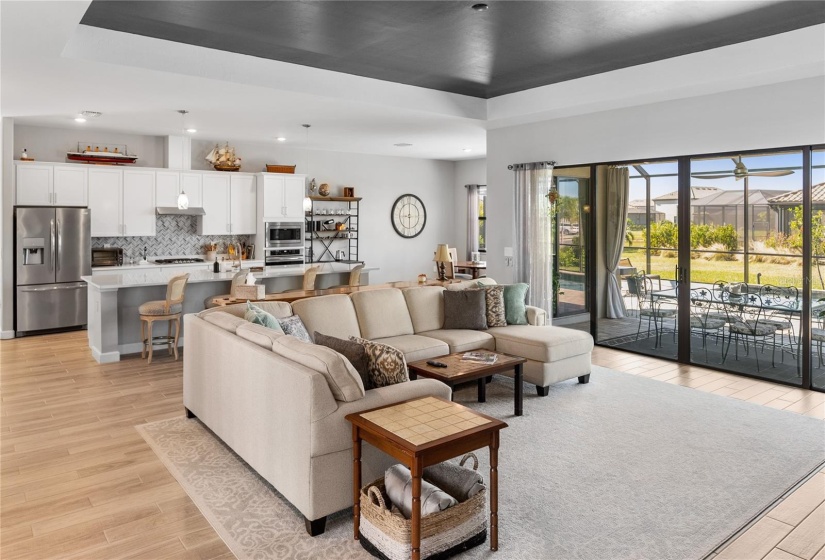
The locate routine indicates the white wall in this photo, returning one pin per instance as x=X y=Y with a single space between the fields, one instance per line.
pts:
x=380 y=180
x=51 y=144
x=7 y=247
x=467 y=172
x=784 y=114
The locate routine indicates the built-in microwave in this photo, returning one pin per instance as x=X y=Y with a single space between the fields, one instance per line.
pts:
x=284 y=234
x=284 y=257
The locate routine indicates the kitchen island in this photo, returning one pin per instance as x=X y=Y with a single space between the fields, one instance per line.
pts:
x=113 y=319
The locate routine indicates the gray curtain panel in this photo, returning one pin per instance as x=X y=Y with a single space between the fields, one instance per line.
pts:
x=532 y=247
x=618 y=186
x=472 y=220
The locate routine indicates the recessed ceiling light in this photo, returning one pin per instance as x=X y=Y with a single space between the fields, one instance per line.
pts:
x=281 y=139
x=402 y=145
x=466 y=150
x=191 y=130
x=480 y=7
x=79 y=119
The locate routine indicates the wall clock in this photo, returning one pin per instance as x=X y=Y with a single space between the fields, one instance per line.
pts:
x=408 y=216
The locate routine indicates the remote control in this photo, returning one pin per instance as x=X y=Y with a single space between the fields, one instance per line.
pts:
x=436 y=364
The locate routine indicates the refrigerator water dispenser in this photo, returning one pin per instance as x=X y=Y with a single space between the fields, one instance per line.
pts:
x=34 y=249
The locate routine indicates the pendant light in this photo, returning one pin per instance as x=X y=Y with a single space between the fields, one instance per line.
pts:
x=183 y=199
x=307 y=200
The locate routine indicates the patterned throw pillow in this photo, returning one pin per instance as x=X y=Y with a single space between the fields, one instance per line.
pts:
x=386 y=365
x=293 y=326
x=255 y=314
x=496 y=316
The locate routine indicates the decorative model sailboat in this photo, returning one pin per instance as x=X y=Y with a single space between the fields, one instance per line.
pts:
x=224 y=159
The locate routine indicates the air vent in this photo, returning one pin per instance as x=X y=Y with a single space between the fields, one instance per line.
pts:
x=402 y=145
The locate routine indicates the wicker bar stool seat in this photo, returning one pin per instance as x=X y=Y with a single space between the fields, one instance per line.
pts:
x=354 y=278
x=169 y=310
x=237 y=280
x=309 y=280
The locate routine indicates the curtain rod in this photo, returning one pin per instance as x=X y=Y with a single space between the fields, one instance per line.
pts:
x=513 y=166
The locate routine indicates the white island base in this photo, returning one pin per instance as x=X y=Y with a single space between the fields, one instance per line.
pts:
x=114 y=322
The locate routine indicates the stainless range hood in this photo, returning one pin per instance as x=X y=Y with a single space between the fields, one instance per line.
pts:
x=174 y=210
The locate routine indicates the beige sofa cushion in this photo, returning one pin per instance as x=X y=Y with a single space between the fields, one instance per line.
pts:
x=463 y=340
x=416 y=347
x=279 y=309
x=542 y=344
x=381 y=313
x=226 y=321
x=332 y=315
x=260 y=335
x=426 y=307
x=343 y=380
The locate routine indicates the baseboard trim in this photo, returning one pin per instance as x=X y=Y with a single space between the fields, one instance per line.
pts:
x=6 y=335
x=105 y=357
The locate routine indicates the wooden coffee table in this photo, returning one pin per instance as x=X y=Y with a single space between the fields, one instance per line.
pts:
x=419 y=433
x=460 y=371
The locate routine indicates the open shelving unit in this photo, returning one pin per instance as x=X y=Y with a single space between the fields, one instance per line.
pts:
x=323 y=243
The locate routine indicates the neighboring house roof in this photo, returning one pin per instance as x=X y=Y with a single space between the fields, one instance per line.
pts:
x=695 y=192
x=639 y=206
x=737 y=198
x=794 y=198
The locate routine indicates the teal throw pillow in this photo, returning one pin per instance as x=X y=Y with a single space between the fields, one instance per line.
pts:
x=255 y=314
x=515 y=306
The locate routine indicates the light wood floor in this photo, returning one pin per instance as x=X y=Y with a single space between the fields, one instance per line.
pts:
x=78 y=482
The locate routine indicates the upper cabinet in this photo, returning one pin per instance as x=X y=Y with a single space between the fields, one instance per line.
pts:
x=122 y=202
x=216 y=205
x=51 y=185
x=242 y=204
x=281 y=196
x=139 y=202
x=170 y=184
x=230 y=202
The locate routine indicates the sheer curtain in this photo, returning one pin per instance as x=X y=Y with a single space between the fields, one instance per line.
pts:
x=618 y=186
x=472 y=220
x=532 y=247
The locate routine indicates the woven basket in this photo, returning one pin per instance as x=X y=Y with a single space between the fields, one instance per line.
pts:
x=386 y=534
x=280 y=168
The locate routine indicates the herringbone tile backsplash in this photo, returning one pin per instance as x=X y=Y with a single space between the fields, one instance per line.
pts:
x=176 y=236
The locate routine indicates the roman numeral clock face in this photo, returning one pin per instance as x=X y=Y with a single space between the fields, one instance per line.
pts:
x=408 y=216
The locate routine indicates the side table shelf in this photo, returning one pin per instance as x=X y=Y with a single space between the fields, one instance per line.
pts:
x=322 y=244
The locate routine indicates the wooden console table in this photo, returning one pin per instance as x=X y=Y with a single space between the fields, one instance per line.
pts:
x=475 y=268
x=453 y=430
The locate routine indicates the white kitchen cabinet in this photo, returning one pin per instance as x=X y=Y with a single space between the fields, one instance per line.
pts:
x=242 y=204
x=282 y=197
x=169 y=185
x=51 y=185
x=106 y=202
x=215 y=193
x=138 y=218
x=34 y=184
x=70 y=186
x=190 y=183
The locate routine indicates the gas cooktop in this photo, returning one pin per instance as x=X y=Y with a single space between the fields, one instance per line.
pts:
x=178 y=261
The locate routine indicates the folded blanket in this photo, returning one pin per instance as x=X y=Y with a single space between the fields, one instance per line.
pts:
x=459 y=482
x=398 y=482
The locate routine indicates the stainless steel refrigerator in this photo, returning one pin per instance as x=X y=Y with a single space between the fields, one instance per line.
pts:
x=52 y=252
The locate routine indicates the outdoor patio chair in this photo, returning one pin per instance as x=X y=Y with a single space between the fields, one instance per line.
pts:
x=781 y=302
x=746 y=321
x=651 y=308
x=702 y=320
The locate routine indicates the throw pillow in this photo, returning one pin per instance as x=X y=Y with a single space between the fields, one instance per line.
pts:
x=352 y=351
x=494 y=296
x=465 y=309
x=293 y=326
x=386 y=365
x=515 y=306
x=258 y=316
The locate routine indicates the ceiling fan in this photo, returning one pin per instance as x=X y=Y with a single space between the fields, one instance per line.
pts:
x=741 y=172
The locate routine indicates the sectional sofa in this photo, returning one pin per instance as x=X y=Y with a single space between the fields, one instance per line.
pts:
x=280 y=414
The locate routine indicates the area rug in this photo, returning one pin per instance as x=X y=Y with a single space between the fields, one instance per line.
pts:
x=621 y=468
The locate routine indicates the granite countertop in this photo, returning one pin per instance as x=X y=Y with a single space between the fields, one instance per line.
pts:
x=155 y=276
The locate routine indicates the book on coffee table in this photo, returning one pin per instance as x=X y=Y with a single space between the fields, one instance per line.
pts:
x=480 y=357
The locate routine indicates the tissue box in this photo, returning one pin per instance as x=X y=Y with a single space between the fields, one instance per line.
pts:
x=244 y=291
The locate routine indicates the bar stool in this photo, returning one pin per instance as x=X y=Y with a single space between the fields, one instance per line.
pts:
x=170 y=310
x=237 y=280
x=309 y=280
x=354 y=278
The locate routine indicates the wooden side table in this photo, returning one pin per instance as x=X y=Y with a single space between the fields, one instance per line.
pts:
x=419 y=433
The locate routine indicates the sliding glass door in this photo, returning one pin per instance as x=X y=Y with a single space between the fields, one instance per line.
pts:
x=570 y=241
x=816 y=269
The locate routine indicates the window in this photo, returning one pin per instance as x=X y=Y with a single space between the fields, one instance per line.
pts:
x=482 y=219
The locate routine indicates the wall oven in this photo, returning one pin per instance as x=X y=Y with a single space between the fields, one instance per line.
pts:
x=284 y=257
x=284 y=234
